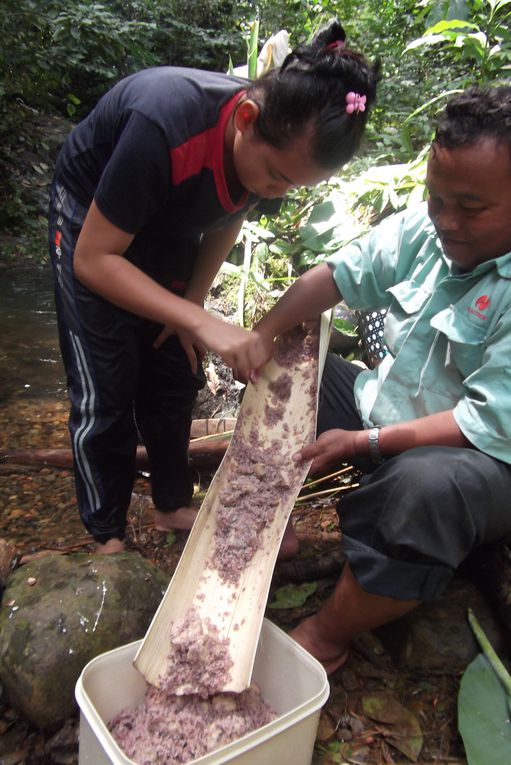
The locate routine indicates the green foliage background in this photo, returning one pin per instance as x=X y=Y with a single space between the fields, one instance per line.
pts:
x=57 y=58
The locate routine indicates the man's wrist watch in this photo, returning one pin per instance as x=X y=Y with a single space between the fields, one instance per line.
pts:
x=374 y=446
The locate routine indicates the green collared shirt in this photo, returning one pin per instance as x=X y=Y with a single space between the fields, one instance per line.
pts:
x=448 y=332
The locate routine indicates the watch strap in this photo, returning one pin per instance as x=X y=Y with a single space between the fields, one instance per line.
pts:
x=374 y=446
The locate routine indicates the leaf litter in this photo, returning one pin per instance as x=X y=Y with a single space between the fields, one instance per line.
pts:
x=376 y=712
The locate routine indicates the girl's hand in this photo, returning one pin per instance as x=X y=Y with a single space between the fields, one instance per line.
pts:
x=241 y=350
x=331 y=448
x=190 y=346
x=164 y=334
x=267 y=344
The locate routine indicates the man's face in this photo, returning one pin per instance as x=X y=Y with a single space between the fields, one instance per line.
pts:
x=469 y=200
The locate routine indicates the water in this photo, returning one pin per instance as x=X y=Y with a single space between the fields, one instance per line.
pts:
x=30 y=363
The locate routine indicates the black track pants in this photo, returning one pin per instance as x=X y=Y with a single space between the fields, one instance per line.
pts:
x=119 y=386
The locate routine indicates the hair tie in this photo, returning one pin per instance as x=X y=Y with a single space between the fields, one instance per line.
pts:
x=335 y=45
x=355 y=102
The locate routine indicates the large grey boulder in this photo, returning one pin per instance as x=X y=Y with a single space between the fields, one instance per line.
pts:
x=60 y=612
x=436 y=637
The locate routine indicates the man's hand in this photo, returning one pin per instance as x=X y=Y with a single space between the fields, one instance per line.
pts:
x=331 y=448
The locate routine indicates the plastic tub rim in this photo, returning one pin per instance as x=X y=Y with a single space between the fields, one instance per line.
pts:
x=234 y=748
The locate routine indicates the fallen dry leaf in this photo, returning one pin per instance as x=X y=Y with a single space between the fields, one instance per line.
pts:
x=404 y=731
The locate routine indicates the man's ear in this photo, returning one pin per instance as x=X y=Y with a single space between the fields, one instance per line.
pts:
x=246 y=114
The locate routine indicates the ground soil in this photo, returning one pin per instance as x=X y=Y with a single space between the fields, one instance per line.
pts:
x=39 y=513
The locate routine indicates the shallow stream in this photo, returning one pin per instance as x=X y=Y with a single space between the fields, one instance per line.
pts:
x=30 y=364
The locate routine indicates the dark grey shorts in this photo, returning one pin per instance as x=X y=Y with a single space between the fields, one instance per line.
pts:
x=416 y=517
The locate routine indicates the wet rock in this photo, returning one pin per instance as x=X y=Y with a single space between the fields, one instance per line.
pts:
x=495 y=574
x=79 y=607
x=437 y=636
x=9 y=558
x=62 y=748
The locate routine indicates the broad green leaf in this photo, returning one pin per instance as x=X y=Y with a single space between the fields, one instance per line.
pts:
x=452 y=25
x=496 y=5
x=293 y=595
x=346 y=327
x=330 y=224
x=484 y=715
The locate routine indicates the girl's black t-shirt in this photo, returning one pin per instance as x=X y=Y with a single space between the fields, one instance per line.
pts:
x=151 y=154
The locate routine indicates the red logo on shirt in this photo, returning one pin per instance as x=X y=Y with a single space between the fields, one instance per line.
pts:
x=481 y=304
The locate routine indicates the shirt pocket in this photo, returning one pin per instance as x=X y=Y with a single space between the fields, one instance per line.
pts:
x=466 y=340
x=409 y=299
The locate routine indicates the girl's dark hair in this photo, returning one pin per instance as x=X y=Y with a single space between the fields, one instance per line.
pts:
x=477 y=113
x=310 y=88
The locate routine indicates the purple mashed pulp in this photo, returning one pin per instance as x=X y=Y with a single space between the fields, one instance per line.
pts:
x=200 y=659
x=260 y=478
x=169 y=730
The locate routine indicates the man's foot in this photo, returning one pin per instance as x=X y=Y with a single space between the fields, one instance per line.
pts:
x=331 y=655
x=110 y=546
x=290 y=543
x=181 y=519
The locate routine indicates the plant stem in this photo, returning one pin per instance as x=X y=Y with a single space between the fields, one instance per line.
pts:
x=247 y=259
x=489 y=652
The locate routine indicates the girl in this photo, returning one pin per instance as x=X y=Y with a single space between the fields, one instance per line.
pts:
x=149 y=195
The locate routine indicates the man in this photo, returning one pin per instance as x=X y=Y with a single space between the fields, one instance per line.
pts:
x=432 y=423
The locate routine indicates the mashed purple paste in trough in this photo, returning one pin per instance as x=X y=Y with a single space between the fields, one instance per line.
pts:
x=259 y=478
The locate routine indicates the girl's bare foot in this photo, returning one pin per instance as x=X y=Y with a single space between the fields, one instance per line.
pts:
x=331 y=655
x=113 y=545
x=181 y=519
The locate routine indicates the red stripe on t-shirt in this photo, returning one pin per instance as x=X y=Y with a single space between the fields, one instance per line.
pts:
x=206 y=149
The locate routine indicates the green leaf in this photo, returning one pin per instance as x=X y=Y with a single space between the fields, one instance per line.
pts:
x=483 y=715
x=346 y=327
x=456 y=25
x=252 y=44
x=293 y=595
x=170 y=539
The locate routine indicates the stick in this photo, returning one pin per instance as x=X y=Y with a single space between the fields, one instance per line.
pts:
x=326 y=477
x=334 y=490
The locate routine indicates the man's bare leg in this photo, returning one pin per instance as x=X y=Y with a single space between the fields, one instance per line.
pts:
x=349 y=611
x=290 y=544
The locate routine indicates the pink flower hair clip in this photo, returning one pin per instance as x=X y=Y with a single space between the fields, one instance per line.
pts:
x=355 y=102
